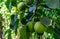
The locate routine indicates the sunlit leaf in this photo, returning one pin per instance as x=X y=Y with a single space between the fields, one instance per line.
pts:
x=46 y=21
x=53 y=3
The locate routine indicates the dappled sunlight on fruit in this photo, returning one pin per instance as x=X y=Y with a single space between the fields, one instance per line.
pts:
x=39 y=28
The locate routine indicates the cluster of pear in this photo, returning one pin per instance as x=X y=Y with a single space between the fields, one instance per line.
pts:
x=37 y=27
x=32 y=26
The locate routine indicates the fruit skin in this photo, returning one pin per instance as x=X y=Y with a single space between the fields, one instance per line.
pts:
x=21 y=6
x=39 y=28
x=30 y=26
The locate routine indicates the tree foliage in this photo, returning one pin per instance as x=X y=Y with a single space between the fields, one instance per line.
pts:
x=20 y=18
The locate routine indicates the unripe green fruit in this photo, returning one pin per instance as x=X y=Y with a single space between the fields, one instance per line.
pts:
x=39 y=28
x=30 y=26
x=21 y=6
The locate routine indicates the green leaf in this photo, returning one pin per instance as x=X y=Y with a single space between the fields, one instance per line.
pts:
x=29 y=2
x=50 y=29
x=23 y=33
x=12 y=22
x=34 y=35
x=22 y=16
x=57 y=32
x=58 y=21
x=5 y=32
x=16 y=23
x=23 y=19
x=1 y=1
x=15 y=31
x=16 y=26
x=45 y=20
x=8 y=5
x=48 y=35
x=9 y=34
x=53 y=3
x=56 y=37
x=14 y=2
